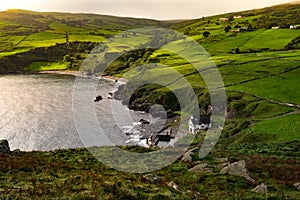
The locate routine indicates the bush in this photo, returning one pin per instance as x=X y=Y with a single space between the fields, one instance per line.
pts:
x=206 y=34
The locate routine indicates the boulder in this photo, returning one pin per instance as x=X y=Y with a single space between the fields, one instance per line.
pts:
x=16 y=151
x=223 y=162
x=297 y=185
x=173 y=185
x=151 y=178
x=238 y=169
x=262 y=188
x=4 y=146
x=187 y=157
x=201 y=168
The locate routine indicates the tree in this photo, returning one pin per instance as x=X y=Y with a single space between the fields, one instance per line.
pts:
x=227 y=28
x=69 y=59
x=206 y=34
x=237 y=50
x=250 y=28
x=230 y=19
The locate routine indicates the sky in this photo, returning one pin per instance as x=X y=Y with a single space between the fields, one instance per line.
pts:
x=154 y=9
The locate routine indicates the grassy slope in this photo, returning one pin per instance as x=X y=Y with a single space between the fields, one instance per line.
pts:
x=76 y=174
x=264 y=68
x=268 y=73
x=265 y=73
x=22 y=30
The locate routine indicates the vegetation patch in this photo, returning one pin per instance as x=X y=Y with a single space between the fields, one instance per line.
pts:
x=45 y=66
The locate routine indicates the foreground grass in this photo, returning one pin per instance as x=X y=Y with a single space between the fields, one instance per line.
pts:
x=76 y=174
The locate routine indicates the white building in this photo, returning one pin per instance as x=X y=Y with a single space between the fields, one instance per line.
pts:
x=223 y=19
x=203 y=123
x=294 y=26
x=237 y=17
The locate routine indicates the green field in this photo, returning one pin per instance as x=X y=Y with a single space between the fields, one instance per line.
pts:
x=283 y=88
x=275 y=130
x=43 y=66
x=281 y=129
x=63 y=28
x=273 y=39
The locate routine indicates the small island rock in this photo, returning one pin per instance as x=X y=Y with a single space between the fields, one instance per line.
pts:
x=4 y=146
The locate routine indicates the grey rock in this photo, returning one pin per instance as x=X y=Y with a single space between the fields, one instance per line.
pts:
x=194 y=150
x=223 y=162
x=262 y=188
x=223 y=165
x=297 y=185
x=187 y=157
x=201 y=168
x=4 y=146
x=16 y=151
x=151 y=178
x=238 y=169
x=173 y=185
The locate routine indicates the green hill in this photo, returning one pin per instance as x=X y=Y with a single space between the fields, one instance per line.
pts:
x=21 y=30
x=259 y=65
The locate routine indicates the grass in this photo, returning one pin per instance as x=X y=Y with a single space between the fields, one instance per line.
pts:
x=273 y=39
x=43 y=39
x=76 y=174
x=227 y=44
x=281 y=129
x=22 y=50
x=275 y=130
x=281 y=88
x=63 y=28
x=44 y=66
x=86 y=38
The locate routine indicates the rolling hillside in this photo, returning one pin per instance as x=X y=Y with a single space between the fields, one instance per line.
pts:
x=259 y=65
x=22 y=30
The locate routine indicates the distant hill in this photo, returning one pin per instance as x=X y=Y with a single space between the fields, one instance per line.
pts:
x=280 y=15
x=20 y=22
x=23 y=30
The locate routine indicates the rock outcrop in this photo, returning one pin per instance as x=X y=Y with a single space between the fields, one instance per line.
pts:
x=4 y=146
x=262 y=188
x=223 y=162
x=201 y=168
x=173 y=185
x=152 y=178
x=297 y=185
x=187 y=157
x=238 y=169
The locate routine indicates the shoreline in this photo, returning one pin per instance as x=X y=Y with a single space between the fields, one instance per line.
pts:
x=82 y=74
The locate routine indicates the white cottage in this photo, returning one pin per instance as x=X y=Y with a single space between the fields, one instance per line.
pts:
x=292 y=26
x=203 y=123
